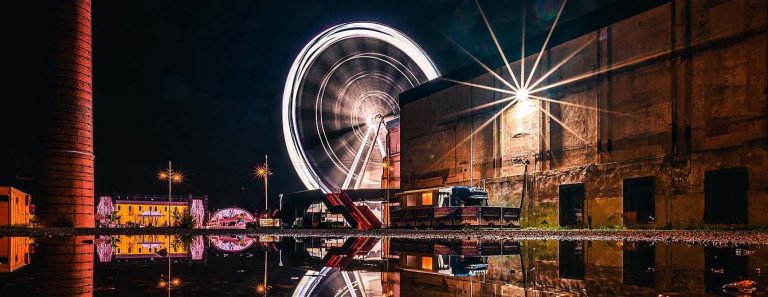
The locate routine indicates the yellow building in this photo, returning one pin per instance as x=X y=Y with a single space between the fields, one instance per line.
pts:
x=148 y=213
x=14 y=253
x=14 y=207
x=148 y=210
x=148 y=246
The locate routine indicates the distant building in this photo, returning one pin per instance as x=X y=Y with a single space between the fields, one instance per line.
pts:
x=15 y=207
x=14 y=253
x=148 y=210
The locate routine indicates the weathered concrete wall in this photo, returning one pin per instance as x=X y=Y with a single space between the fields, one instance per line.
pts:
x=673 y=92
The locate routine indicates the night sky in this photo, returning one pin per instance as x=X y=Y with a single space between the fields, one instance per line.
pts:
x=200 y=83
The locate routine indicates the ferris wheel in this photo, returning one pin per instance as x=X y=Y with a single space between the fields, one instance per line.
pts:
x=340 y=92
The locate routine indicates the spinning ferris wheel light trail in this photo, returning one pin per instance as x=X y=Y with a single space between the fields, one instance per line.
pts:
x=340 y=92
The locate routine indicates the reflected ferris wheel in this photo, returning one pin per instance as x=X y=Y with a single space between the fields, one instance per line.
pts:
x=340 y=93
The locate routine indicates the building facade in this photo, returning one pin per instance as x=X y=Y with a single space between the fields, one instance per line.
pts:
x=145 y=210
x=655 y=120
x=15 y=207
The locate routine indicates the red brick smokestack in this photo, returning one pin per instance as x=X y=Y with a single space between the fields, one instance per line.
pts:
x=66 y=195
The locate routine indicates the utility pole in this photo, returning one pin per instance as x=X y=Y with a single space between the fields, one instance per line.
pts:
x=170 y=197
x=264 y=172
x=173 y=177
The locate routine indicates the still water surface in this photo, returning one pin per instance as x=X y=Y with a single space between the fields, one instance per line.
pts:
x=258 y=265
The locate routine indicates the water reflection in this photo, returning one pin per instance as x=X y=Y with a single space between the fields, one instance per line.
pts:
x=222 y=265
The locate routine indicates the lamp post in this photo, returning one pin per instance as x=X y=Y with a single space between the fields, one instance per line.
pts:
x=264 y=172
x=172 y=177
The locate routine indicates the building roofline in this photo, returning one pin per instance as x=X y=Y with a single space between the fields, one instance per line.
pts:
x=152 y=202
x=564 y=32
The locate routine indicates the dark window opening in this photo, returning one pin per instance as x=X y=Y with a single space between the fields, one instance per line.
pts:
x=4 y=198
x=571 y=204
x=639 y=200
x=571 y=259
x=640 y=264
x=725 y=194
x=723 y=266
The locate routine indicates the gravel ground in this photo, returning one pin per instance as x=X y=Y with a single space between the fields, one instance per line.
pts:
x=707 y=237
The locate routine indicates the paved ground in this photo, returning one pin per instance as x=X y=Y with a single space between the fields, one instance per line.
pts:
x=709 y=237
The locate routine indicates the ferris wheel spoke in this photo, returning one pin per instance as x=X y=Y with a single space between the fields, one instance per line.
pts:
x=382 y=148
x=363 y=169
x=354 y=165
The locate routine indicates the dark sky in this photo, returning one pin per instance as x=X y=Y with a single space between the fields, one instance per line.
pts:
x=200 y=82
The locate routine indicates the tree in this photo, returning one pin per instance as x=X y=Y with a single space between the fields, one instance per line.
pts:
x=184 y=220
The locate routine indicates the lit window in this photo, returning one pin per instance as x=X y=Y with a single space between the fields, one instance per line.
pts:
x=426 y=198
x=410 y=200
x=426 y=263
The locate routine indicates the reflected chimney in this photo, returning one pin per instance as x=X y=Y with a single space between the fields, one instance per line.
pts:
x=65 y=266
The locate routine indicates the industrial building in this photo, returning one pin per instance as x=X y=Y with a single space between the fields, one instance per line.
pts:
x=656 y=118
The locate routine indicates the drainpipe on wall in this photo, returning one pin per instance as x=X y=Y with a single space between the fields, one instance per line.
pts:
x=522 y=195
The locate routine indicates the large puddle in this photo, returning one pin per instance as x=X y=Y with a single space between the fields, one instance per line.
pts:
x=242 y=265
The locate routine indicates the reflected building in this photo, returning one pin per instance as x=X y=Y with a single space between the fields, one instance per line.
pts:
x=587 y=268
x=571 y=268
x=452 y=268
x=14 y=253
x=389 y=266
x=123 y=248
